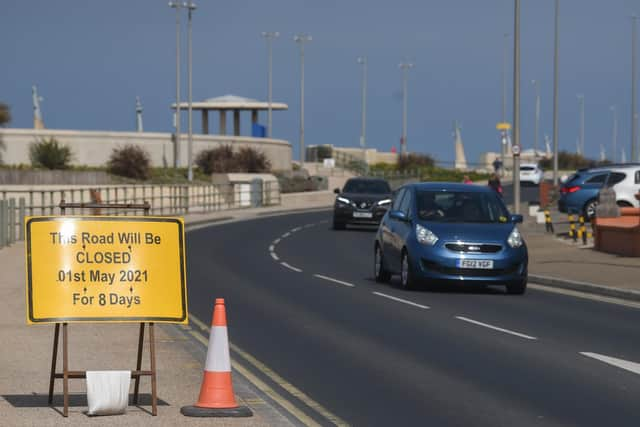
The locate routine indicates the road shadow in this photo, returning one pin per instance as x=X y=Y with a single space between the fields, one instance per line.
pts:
x=36 y=400
x=356 y=229
x=448 y=288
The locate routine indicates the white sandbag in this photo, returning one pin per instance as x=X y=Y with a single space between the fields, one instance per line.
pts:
x=108 y=392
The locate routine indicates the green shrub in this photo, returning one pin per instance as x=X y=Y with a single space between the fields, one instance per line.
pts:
x=130 y=161
x=224 y=160
x=49 y=154
x=415 y=161
x=571 y=161
x=251 y=160
x=5 y=114
x=216 y=160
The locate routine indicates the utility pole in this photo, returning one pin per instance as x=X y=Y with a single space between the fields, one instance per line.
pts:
x=536 y=83
x=176 y=149
x=405 y=67
x=581 y=105
x=516 y=109
x=270 y=36
x=614 y=133
x=301 y=39
x=634 y=123
x=504 y=142
x=363 y=143
x=190 y=7
x=555 y=96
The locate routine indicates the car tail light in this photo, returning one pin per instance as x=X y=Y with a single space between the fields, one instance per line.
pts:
x=572 y=189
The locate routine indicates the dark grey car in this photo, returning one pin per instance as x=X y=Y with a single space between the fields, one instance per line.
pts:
x=361 y=201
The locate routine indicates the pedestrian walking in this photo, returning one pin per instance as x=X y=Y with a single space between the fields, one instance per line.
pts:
x=467 y=180
x=494 y=183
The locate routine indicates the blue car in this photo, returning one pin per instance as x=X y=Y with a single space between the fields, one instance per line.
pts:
x=445 y=232
x=579 y=194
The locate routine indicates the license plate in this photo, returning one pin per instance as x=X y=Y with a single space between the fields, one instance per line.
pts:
x=481 y=264
x=362 y=215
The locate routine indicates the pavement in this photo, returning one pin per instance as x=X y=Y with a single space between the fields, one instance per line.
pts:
x=26 y=356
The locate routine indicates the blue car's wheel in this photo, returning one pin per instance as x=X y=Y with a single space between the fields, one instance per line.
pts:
x=381 y=274
x=407 y=278
x=517 y=288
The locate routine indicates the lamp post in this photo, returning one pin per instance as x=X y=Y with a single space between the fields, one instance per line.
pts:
x=270 y=36
x=634 y=123
x=614 y=132
x=536 y=83
x=505 y=55
x=301 y=39
x=363 y=143
x=176 y=155
x=516 y=108
x=190 y=7
x=405 y=67
x=581 y=105
x=555 y=96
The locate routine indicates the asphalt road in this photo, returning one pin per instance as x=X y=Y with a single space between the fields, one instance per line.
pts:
x=373 y=354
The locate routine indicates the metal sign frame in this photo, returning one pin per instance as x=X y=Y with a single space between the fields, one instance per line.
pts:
x=67 y=374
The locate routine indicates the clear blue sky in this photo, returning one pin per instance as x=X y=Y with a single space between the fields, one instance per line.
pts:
x=91 y=58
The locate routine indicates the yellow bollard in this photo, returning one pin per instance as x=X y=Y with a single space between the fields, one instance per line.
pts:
x=547 y=221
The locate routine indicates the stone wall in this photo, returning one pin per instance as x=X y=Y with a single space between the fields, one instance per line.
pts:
x=93 y=148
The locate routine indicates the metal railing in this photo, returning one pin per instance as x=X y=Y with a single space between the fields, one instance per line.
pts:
x=163 y=200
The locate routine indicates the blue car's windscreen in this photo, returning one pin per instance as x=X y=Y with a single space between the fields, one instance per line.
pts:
x=460 y=206
x=366 y=187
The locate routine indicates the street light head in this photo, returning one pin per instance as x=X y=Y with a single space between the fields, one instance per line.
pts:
x=189 y=5
x=174 y=4
x=301 y=38
x=362 y=59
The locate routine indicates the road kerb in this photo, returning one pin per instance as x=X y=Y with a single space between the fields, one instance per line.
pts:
x=586 y=287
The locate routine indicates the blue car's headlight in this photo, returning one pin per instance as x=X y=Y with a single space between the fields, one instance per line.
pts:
x=384 y=202
x=425 y=236
x=515 y=238
x=343 y=200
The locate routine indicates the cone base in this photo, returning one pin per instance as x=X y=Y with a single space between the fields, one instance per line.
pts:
x=197 y=411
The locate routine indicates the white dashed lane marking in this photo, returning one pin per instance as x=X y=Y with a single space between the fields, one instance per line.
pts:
x=404 y=301
x=330 y=279
x=619 y=363
x=496 y=328
x=290 y=267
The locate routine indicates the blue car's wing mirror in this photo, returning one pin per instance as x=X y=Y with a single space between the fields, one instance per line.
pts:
x=398 y=215
x=517 y=219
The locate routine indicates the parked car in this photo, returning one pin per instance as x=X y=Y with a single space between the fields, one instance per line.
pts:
x=531 y=173
x=445 y=232
x=361 y=201
x=579 y=193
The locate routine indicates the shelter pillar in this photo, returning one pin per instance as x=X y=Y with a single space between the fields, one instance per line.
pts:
x=254 y=117
x=205 y=121
x=223 y=122
x=236 y=122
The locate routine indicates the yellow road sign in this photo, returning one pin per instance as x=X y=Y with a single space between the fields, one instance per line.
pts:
x=503 y=126
x=105 y=268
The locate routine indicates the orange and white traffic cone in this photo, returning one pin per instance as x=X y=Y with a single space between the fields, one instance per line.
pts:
x=216 y=393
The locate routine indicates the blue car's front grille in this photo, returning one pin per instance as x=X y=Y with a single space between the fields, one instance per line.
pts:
x=471 y=247
x=454 y=271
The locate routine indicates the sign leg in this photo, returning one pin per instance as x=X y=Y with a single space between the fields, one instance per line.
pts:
x=65 y=369
x=54 y=359
x=136 y=387
x=152 y=346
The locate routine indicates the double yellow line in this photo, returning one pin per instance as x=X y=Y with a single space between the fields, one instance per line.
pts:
x=265 y=388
